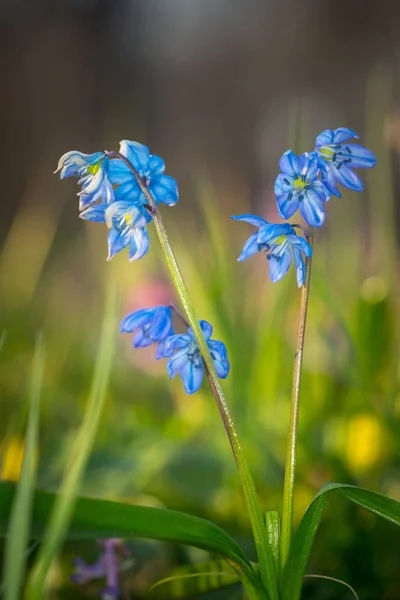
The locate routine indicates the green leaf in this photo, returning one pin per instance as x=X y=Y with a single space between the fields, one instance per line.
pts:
x=303 y=540
x=192 y=580
x=20 y=511
x=93 y=518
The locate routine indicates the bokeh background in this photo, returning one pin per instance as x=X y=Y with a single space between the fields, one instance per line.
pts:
x=219 y=89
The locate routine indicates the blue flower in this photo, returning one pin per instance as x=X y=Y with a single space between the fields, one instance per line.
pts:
x=127 y=223
x=279 y=242
x=187 y=360
x=149 y=167
x=92 y=170
x=298 y=187
x=153 y=325
x=337 y=159
x=106 y=567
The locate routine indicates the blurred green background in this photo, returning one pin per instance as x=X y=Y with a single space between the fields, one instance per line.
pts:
x=219 y=89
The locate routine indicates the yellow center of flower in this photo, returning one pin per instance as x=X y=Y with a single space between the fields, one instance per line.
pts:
x=280 y=239
x=299 y=184
x=326 y=152
x=93 y=169
x=128 y=219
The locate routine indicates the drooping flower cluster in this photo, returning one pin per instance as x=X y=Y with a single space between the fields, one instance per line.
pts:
x=115 y=189
x=111 y=192
x=106 y=567
x=154 y=325
x=305 y=183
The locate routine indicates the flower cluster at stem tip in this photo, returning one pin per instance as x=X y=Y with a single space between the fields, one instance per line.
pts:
x=305 y=184
x=112 y=194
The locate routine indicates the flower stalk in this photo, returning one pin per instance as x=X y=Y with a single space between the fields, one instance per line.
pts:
x=265 y=556
x=290 y=467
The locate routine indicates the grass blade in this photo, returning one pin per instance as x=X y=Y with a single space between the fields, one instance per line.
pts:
x=20 y=516
x=62 y=510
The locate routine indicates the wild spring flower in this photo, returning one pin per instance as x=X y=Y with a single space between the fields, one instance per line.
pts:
x=127 y=223
x=280 y=243
x=150 y=168
x=92 y=170
x=111 y=193
x=337 y=158
x=152 y=325
x=107 y=567
x=187 y=361
x=298 y=187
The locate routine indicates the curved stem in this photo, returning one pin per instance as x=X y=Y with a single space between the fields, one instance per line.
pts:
x=288 y=490
x=264 y=552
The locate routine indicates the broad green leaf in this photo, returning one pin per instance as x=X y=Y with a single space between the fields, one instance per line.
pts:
x=61 y=512
x=94 y=518
x=192 y=580
x=303 y=540
x=20 y=513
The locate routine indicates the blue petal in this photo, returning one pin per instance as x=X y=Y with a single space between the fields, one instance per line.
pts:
x=283 y=184
x=341 y=134
x=318 y=187
x=206 y=328
x=84 y=572
x=287 y=207
x=252 y=219
x=328 y=178
x=309 y=165
x=129 y=191
x=162 y=350
x=312 y=209
x=300 y=266
x=296 y=241
x=290 y=164
x=220 y=358
x=161 y=324
x=117 y=241
x=135 y=319
x=176 y=362
x=192 y=376
x=141 y=339
x=269 y=232
x=181 y=340
x=279 y=268
x=73 y=163
x=360 y=157
x=95 y=213
x=348 y=178
x=139 y=243
x=156 y=165
x=119 y=172
x=137 y=154
x=324 y=138
x=117 y=212
x=250 y=247
x=164 y=189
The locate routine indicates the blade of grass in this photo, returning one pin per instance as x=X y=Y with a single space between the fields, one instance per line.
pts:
x=63 y=508
x=19 y=523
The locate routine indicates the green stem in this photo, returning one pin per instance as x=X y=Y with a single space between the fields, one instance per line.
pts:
x=290 y=468
x=265 y=556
